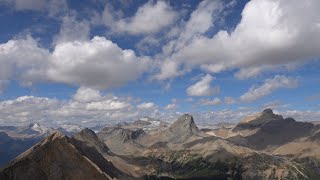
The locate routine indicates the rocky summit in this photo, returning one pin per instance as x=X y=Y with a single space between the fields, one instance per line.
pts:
x=262 y=146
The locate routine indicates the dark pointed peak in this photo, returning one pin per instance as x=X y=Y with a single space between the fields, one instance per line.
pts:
x=185 y=119
x=184 y=122
x=267 y=111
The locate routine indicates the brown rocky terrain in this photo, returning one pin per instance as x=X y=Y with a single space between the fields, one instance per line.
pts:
x=263 y=146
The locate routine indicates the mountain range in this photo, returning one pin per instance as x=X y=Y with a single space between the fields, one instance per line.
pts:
x=261 y=146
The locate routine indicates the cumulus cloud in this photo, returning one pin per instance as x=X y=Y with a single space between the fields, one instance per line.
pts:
x=269 y=85
x=88 y=111
x=23 y=60
x=146 y=105
x=271 y=35
x=203 y=87
x=108 y=104
x=149 y=18
x=98 y=63
x=84 y=94
x=26 y=109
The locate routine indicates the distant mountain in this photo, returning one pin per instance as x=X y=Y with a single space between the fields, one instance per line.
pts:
x=182 y=129
x=257 y=120
x=38 y=130
x=269 y=131
x=262 y=146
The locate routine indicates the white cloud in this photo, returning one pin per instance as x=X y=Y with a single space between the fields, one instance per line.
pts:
x=84 y=94
x=149 y=18
x=271 y=35
x=98 y=63
x=109 y=109
x=26 y=109
x=169 y=69
x=104 y=109
x=23 y=60
x=200 y=22
x=203 y=87
x=146 y=105
x=109 y=104
x=212 y=102
x=171 y=106
x=268 y=87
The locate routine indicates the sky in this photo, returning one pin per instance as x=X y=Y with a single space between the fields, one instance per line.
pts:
x=96 y=62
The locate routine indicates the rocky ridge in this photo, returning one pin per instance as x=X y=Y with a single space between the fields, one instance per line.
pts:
x=181 y=151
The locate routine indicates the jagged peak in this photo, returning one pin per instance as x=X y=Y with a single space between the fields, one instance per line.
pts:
x=267 y=111
x=184 y=122
x=185 y=119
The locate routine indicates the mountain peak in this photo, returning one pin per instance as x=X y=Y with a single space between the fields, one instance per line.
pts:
x=258 y=120
x=267 y=111
x=184 y=120
x=87 y=135
x=183 y=128
x=90 y=139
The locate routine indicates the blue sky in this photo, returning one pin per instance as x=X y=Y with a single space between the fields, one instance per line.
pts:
x=98 y=61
